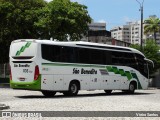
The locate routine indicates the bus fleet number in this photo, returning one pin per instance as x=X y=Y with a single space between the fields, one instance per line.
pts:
x=25 y=70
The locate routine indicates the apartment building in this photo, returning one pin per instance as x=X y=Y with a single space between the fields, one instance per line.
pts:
x=135 y=32
x=131 y=33
x=122 y=33
x=97 y=33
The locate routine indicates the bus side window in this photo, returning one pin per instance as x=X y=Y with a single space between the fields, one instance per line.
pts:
x=47 y=52
x=57 y=54
x=116 y=58
x=129 y=60
x=107 y=57
x=96 y=56
x=83 y=55
x=68 y=55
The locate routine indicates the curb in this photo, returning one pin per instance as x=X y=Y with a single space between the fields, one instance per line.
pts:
x=152 y=88
x=3 y=106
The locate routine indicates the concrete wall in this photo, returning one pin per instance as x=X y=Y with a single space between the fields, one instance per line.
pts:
x=156 y=81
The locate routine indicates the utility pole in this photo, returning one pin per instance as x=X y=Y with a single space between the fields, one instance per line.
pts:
x=141 y=9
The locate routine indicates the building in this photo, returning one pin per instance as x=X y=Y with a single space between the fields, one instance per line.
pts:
x=97 y=33
x=99 y=36
x=97 y=26
x=122 y=33
x=131 y=32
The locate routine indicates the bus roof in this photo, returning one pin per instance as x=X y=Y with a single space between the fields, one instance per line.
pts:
x=82 y=44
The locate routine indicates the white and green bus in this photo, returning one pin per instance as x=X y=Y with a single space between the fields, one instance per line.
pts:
x=67 y=67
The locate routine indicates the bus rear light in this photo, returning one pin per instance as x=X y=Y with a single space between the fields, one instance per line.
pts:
x=36 y=72
x=10 y=73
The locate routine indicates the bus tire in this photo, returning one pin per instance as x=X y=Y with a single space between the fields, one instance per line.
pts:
x=108 y=91
x=132 y=88
x=73 y=89
x=48 y=93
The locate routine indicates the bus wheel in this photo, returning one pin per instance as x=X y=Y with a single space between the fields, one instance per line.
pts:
x=131 y=88
x=73 y=89
x=48 y=93
x=108 y=91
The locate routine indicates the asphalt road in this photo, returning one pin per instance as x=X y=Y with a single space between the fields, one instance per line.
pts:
x=23 y=100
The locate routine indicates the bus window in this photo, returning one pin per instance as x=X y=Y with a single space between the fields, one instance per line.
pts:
x=96 y=56
x=129 y=60
x=142 y=65
x=83 y=55
x=107 y=57
x=68 y=54
x=46 y=52
x=116 y=58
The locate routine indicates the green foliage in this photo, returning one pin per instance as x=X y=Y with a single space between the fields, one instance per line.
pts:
x=150 y=50
x=152 y=26
x=17 y=18
x=64 y=20
x=34 y=19
x=136 y=46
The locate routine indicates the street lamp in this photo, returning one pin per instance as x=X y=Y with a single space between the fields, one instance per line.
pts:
x=141 y=9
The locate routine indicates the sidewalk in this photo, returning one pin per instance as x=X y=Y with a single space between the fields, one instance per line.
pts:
x=4 y=85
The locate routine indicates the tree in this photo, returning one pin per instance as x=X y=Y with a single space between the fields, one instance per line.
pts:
x=64 y=20
x=17 y=20
x=19 y=17
x=33 y=19
x=152 y=26
x=151 y=50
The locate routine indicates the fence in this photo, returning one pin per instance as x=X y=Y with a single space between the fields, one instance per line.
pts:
x=4 y=70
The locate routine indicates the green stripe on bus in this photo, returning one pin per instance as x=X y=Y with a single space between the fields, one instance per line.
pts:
x=75 y=65
x=128 y=74
x=116 y=70
x=136 y=77
x=121 y=71
x=35 y=85
x=22 y=49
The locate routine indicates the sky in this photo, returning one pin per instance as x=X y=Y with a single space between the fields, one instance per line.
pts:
x=118 y=12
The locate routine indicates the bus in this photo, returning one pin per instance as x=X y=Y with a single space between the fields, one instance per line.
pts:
x=67 y=67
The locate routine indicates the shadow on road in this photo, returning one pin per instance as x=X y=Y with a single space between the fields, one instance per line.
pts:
x=84 y=95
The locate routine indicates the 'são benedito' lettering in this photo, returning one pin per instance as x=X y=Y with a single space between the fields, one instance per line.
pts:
x=83 y=71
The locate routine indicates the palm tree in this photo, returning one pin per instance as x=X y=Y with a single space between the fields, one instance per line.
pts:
x=152 y=26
